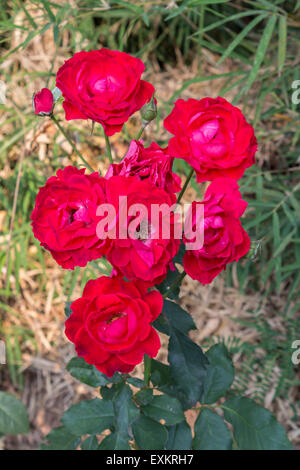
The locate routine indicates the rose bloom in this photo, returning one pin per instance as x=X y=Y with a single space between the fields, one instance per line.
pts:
x=151 y=163
x=43 y=102
x=64 y=218
x=144 y=252
x=104 y=86
x=212 y=136
x=110 y=324
x=225 y=240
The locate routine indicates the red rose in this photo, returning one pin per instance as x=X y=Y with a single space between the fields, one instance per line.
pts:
x=212 y=136
x=110 y=324
x=225 y=240
x=64 y=218
x=104 y=86
x=43 y=102
x=151 y=163
x=147 y=255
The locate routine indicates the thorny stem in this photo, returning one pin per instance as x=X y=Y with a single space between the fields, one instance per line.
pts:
x=71 y=143
x=185 y=185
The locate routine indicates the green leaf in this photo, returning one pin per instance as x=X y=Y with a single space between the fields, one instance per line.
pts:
x=126 y=412
x=144 y=396
x=169 y=280
x=161 y=375
x=61 y=439
x=114 y=442
x=211 y=433
x=86 y=373
x=188 y=365
x=161 y=325
x=261 y=50
x=89 y=417
x=90 y=443
x=138 y=383
x=149 y=434
x=162 y=379
x=13 y=415
x=180 y=437
x=220 y=374
x=164 y=407
x=176 y=316
x=108 y=393
x=254 y=427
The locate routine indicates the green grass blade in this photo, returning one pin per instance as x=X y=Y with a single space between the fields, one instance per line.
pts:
x=282 y=42
x=261 y=51
x=241 y=36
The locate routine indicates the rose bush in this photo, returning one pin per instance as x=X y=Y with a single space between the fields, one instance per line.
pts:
x=64 y=218
x=225 y=240
x=128 y=217
x=104 y=86
x=110 y=324
x=151 y=163
x=213 y=136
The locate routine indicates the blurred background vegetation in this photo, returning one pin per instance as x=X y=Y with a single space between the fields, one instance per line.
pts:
x=246 y=51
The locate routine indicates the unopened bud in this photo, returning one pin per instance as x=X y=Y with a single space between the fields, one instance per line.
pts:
x=255 y=249
x=43 y=102
x=149 y=112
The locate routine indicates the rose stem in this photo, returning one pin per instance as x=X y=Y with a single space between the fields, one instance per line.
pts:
x=140 y=133
x=147 y=369
x=185 y=185
x=71 y=143
x=175 y=284
x=108 y=149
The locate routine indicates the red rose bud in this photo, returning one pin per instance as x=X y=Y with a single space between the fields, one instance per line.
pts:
x=149 y=112
x=43 y=102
